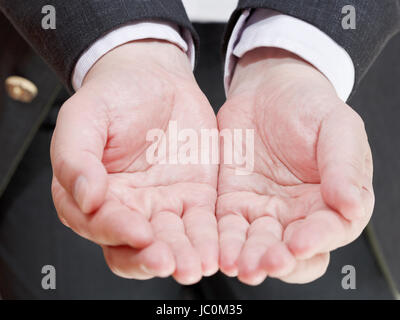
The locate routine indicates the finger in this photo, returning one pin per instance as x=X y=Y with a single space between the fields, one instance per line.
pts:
x=112 y=224
x=169 y=228
x=202 y=231
x=322 y=231
x=77 y=149
x=155 y=260
x=264 y=234
x=308 y=270
x=342 y=155
x=278 y=261
x=232 y=236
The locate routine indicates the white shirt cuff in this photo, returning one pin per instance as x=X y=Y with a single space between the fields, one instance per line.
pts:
x=135 y=31
x=268 y=28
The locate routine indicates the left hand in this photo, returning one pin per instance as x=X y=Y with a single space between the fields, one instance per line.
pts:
x=311 y=189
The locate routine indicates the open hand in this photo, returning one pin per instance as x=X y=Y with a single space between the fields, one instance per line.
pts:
x=151 y=219
x=311 y=188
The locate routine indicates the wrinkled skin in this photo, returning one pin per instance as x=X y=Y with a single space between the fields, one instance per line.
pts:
x=310 y=191
x=311 y=188
x=150 y=219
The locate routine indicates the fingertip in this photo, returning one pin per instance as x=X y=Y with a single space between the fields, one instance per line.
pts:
x=230 y=270
x=300 y=249
x=140 y=234
x=158 y=260
x=351 y=206
x=210 y=266
x=309 y=270
x=188 y=275
x=304 y=241
x=90 y=192
x=249 y=265
x=253 y=278
x=250 y=273
x=344 y=197
x=81 y=195
x=228 y=263
x=188 y=269
x=278 y=261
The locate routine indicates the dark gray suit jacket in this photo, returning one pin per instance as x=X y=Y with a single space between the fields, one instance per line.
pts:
x=377 y=21
x=81 y=23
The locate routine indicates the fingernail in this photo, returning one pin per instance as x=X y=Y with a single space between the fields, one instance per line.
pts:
x=145 y=269
x=80 y=192
x=64 y=222
x=356 y=193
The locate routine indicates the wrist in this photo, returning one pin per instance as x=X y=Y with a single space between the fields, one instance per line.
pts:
x=274 y=66
x=150 y=54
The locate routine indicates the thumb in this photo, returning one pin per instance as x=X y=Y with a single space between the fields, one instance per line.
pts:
x=77 y=149
x=344 y=161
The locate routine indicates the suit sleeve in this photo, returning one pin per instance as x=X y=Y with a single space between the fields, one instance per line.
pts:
x=80 y=23
x=376 y=22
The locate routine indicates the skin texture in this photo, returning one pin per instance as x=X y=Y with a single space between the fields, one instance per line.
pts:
x=311 y=188
x=150 y=220
x=310 y=191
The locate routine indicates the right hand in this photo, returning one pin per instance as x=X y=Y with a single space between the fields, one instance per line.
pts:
x=150 y=220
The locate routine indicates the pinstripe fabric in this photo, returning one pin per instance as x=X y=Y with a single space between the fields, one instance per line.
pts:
x=81 y=23
x=377 y=21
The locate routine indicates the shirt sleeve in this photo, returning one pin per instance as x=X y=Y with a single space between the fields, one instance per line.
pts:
x=78 y=24
x=268 y=28
x=136 y=31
